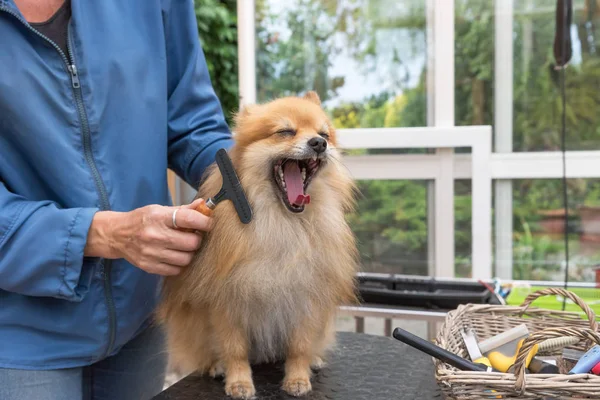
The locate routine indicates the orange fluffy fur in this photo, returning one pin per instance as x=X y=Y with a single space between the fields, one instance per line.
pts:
x=268 y=290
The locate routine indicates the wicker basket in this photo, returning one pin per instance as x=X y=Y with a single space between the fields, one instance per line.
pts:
x=490 y=320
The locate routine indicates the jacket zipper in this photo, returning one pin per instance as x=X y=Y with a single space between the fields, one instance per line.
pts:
x=87 y=148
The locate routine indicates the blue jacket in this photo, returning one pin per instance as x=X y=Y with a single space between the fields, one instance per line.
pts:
x=94 y=129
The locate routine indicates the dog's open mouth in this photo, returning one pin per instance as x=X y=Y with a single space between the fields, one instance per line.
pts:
x=292 y=177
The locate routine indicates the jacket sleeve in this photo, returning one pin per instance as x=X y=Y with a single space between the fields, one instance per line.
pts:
x=41 y=248
x=196 y=124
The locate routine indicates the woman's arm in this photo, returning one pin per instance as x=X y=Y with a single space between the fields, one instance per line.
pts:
x=197 y=127
x=42 y=247
x=46 y=250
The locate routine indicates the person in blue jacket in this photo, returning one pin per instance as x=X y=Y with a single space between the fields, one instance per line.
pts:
x=97 y=100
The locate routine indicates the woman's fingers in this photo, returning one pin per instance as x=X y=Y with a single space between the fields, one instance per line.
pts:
x=146 y=237
x=193 y=205
x=183 y=241
x=163 y=269
x=174 y=258
x=187 y=218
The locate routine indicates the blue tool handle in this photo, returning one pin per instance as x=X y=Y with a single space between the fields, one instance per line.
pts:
x=587 y=361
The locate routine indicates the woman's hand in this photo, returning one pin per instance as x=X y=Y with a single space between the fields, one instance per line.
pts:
x=147 y=238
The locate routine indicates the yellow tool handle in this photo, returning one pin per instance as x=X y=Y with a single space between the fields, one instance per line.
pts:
x=483 y=360
x=503 y=362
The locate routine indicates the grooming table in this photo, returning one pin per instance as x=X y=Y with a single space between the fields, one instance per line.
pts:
x=362 y=367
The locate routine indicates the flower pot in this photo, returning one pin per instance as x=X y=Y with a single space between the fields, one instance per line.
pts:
x=590 y=223
x=552 y=222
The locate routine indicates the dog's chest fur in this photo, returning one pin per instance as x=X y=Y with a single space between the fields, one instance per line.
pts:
x=282 y=283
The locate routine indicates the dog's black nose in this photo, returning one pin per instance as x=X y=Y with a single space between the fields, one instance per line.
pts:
x=318 y=144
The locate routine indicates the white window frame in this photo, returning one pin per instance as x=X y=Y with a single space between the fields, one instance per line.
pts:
x=503 y=121
x=478 y=138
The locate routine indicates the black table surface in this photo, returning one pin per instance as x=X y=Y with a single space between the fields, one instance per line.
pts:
x=360 y=367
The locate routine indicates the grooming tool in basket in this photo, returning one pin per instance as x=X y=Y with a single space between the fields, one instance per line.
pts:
x=572 y=354
x=506 y=337
x=539 y=366
x=473 y=348
x=502 y=349
x=596 y=369
x=550 y=345
x=439 y=353
x=587 y=361
x=521 y=383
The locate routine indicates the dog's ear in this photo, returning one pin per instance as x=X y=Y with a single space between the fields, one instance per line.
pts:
x=246 y=110
x=311 y=95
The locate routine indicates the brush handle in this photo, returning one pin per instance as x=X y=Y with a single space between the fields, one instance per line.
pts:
x=437 y=352
x=596 y=369
x=503 y=362
x=204 y=207
x=557 y=343
x=587 y=361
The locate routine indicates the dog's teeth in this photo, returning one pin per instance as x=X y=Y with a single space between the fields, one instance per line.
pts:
x=281 y=176
x=283 y=184
x=303 y=174
x=314 y=158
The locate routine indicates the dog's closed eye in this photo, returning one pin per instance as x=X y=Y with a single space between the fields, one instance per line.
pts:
x=286 y=132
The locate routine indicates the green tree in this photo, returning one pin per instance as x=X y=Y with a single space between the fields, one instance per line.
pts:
x=217 y=29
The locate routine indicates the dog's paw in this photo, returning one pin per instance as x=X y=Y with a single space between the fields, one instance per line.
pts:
x=240 y=390
x=217 y=370
x=297 y=387
x=317 y=364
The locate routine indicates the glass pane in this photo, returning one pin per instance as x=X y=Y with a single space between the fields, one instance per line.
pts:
x=365 y=58
x=463 y=250
x=474 y=62
x=537 y=101
x=537 y=85
x=539 y=231
x=391 y=226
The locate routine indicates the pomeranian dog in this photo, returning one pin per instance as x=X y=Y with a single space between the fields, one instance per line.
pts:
x=268 y=291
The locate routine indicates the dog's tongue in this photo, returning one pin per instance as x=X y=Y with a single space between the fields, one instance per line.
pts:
x=294 y=184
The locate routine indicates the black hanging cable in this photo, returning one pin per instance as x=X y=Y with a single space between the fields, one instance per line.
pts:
x=564 y=180
x=562 y=55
